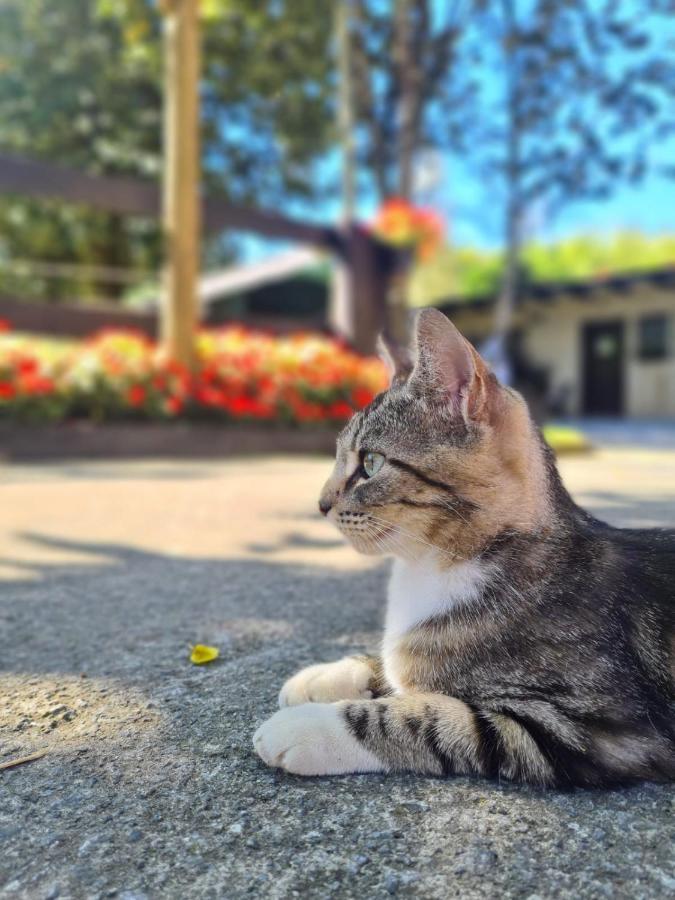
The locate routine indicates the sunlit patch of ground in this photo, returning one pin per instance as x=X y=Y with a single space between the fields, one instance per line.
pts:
x=68 y=711
x=626 y=487
x=258 y=509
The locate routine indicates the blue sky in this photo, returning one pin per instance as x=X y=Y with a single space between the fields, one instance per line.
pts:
x=648 y=207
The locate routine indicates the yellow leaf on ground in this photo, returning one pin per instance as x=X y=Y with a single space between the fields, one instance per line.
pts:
x=201 y=654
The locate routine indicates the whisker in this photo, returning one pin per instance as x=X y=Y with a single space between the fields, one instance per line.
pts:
x=409 y=534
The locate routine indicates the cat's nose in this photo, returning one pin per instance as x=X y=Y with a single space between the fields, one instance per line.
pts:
x=325 y=506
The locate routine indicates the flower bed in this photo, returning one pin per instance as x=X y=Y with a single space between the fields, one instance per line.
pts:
x=241 y=376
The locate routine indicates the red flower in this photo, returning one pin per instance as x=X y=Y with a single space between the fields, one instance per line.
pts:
x=210 y=396
x=27 y=365
x=136 y=395
x=173 y=405
x=340 y=410
x=4 y=326
x=7 y=390
x=361 y=397
x=241 y=406
x=35 y=385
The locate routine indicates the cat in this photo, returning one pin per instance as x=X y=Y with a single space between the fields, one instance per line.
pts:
x=524 y=640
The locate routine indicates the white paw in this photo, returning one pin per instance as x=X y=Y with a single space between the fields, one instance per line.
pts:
x=346 y=679
x=313 y=739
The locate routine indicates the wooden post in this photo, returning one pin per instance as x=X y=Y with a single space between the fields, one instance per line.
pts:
x=181 y=208
x=368 y=284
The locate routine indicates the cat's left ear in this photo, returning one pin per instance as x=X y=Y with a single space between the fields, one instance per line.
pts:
x=447 y=366
x=397 y=358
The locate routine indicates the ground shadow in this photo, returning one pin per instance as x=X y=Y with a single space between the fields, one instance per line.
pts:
x=161 y=795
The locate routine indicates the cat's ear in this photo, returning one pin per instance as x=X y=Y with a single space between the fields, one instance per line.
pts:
x=397 y=358
x=447 y=366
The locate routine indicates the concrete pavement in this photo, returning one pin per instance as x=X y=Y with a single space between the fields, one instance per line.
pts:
x=149 y=789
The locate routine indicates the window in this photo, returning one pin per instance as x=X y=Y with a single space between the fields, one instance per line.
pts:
x=653 y=337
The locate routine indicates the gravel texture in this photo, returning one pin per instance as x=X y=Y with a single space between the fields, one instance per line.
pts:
x=150 y=789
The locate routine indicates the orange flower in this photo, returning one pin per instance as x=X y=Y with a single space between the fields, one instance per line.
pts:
x=404 y=225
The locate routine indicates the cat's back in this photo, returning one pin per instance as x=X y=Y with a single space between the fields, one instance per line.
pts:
x=641 y=583
x=644 y=564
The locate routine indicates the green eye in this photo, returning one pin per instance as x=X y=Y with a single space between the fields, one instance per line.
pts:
x=372 y=463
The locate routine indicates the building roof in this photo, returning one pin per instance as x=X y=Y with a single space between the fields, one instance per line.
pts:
x=238 y=279
x=586 y=289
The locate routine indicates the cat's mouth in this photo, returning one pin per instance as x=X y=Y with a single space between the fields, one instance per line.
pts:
x=364 y=534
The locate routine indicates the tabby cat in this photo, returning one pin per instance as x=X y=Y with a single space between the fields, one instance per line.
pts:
x=524 y=639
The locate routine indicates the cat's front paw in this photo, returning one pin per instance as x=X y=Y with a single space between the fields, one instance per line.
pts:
x=346 y=679
x=313 y=739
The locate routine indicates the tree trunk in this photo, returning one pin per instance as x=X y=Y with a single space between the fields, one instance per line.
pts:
x=506 y=301
x=345 y=106
x=407 y=113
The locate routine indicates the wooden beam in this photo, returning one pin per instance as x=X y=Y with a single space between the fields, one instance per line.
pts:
x=136 y=197
x=220 y=214
x=47 y=181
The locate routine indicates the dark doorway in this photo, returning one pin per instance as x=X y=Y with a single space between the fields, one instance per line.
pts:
x=603 y=368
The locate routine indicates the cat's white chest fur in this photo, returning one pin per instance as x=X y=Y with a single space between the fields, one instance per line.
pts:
x=419 y=591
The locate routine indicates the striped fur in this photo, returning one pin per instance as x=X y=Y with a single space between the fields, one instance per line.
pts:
x=524 y=639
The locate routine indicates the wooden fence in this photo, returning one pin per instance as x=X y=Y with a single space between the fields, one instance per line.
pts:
x=370 y=264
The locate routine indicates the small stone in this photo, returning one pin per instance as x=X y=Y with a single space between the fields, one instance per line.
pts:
x=55 y=711
x=416 y=806
x=477 y=860
x=213 y=750
x=666 y=880
x=391 y=884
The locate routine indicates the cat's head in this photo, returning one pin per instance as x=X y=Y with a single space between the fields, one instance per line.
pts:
x=443 y=461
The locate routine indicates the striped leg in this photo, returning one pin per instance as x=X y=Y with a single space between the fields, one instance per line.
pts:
x=426 y=733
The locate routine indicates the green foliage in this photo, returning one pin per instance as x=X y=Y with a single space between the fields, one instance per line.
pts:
x=65 y=96
x=464 y=272
x=455 y=272
x=267 y=98
x=82 y=85
x=588 y=257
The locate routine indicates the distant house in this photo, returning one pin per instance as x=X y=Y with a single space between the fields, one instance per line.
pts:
x=604 y=346
x=289 y=290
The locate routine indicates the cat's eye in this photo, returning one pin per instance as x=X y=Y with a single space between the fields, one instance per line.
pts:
x=372 y=463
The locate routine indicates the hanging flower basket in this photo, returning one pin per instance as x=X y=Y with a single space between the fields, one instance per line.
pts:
x=403 y=225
